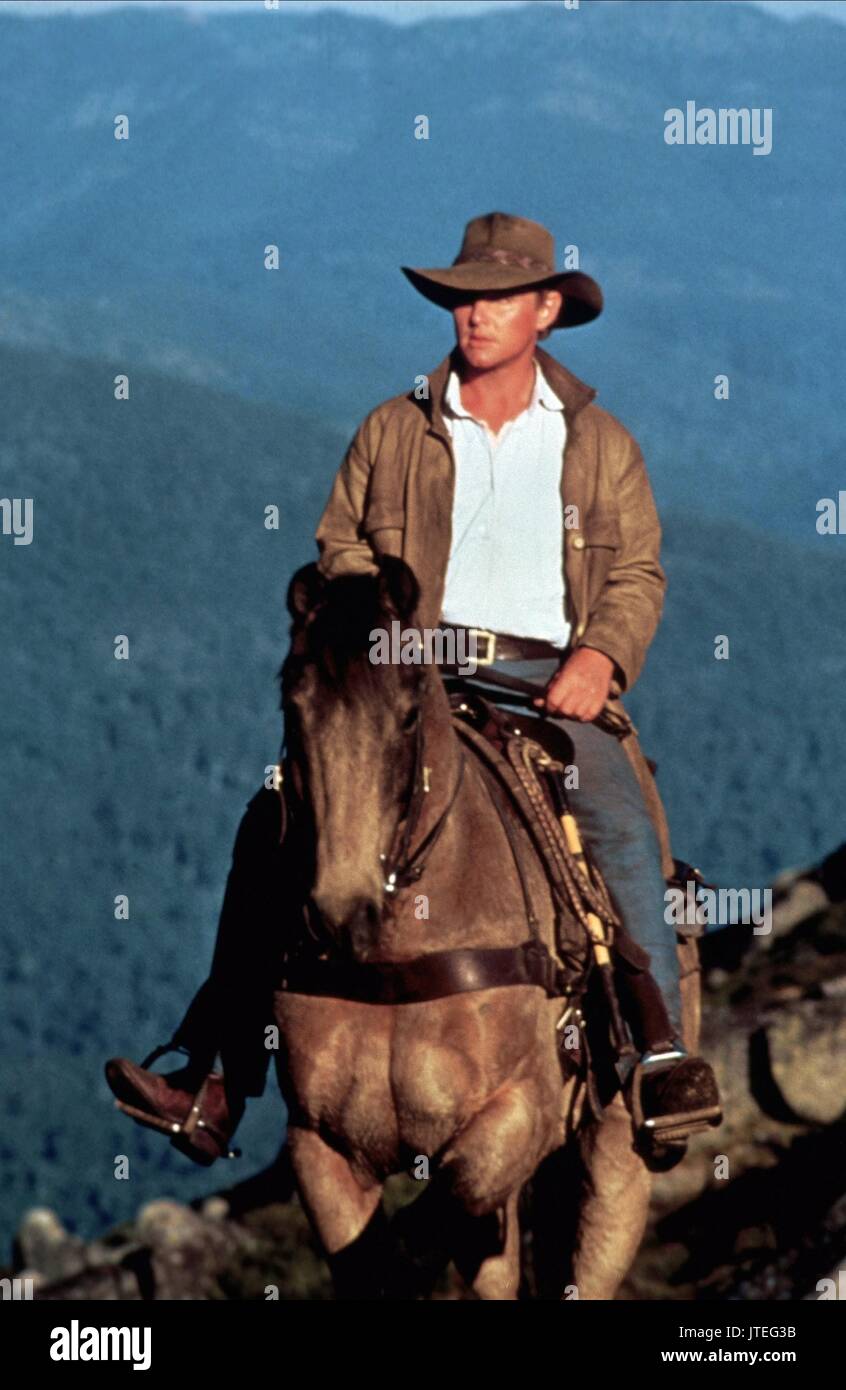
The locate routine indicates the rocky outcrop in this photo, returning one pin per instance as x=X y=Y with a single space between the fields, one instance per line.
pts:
x=251 y=1242
x=758 y=1208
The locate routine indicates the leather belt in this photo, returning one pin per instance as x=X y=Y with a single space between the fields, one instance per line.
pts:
x=503 y=646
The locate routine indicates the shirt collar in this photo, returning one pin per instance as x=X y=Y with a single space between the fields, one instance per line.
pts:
x=542 y=394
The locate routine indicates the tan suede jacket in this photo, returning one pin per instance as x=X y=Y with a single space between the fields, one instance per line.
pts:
x=393 y=495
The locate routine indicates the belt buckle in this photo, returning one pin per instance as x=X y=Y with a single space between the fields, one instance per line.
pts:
x=490 y=651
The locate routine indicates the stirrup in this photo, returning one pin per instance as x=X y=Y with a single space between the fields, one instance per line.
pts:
x=204 y=1147
x=664 y=1138
x=181 y=1133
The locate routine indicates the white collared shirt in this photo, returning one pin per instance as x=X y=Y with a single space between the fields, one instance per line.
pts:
x=505 y=568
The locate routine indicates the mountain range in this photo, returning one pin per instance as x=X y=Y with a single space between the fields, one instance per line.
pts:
x=145 y=258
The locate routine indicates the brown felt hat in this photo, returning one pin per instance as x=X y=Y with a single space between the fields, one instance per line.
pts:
x=500 y=252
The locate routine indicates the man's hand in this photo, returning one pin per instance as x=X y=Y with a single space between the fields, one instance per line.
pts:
x=580 y=688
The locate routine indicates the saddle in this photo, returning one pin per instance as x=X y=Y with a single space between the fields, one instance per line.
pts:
x=522 y=757
x=621 y=965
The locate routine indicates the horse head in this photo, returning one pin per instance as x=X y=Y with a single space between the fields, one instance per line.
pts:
x=355 y=738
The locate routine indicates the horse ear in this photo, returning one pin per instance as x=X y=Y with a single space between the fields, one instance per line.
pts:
x=397 y=583
x=304 y=590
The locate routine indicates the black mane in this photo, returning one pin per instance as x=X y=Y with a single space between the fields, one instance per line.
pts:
x=333 y=620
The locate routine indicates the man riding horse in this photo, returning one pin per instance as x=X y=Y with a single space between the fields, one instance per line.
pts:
x=526 y=515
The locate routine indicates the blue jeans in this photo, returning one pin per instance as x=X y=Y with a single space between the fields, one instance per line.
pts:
x=616 y=828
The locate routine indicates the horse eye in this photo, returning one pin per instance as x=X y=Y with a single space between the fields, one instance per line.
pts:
x=409 y=721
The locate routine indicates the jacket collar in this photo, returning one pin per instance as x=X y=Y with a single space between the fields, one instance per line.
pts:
x=542 y=394
x=573 y=393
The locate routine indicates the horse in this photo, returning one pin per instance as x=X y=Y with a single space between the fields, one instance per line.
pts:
x=463 y=1091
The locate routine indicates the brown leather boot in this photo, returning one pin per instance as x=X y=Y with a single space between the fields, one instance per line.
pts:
x=194 y=1109
x=671 y=1099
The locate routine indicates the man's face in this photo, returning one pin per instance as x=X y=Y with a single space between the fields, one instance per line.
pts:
x=501 y=325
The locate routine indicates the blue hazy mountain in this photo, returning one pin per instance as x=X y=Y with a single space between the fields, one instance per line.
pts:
x=296 y=130
x=145 y=257
x=129 y=776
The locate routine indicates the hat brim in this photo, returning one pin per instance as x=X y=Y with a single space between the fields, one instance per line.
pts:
x=447 y=287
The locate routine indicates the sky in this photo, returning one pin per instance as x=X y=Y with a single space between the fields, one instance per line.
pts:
x=396 y=11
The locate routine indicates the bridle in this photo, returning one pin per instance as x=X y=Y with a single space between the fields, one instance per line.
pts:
x=404 y=866
x=407 y=867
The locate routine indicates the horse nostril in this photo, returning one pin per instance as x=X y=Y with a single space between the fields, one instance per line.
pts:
x=355 y=919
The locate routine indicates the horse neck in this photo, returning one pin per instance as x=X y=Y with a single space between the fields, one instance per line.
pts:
x=472 y=890
x=441 y=747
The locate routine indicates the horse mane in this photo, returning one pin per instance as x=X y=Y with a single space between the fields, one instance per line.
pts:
x=333 y=621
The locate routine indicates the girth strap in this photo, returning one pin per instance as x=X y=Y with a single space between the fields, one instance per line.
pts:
x=433 y=976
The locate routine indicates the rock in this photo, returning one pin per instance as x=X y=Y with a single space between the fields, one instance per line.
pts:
x=187 y=1250
x=215 y=1208
x=803 y=898
x=45 y=1245
x=808 y=1059
x=104 y=1283
x=775 y=1032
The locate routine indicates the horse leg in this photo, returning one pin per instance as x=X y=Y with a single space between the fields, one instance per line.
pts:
x=348 y=1218
x=434 y=1229
x=488 y=1252
x=614 y=1206
x=484 y=1170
